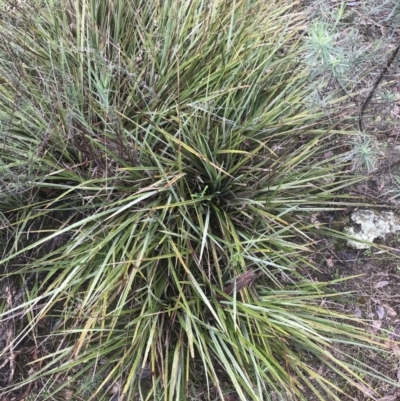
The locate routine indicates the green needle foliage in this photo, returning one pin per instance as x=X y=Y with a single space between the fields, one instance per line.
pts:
x=164 y=152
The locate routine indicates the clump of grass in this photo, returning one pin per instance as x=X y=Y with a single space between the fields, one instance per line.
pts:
x=346 y=56
x=176 y=164
x=364 y=154
x=323 y=53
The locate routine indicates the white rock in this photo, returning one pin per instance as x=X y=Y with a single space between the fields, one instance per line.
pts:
x=373 y=225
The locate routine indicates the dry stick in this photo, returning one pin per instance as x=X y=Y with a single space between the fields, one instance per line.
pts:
x=376 y=84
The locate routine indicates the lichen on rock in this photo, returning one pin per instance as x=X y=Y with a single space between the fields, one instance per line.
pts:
x=371 y=225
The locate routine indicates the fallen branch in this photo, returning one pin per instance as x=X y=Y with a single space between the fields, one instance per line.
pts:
x=375 y=86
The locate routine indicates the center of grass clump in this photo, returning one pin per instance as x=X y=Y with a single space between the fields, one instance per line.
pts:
x=173 y=166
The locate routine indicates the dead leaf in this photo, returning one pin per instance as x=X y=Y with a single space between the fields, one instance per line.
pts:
x=241 y=281
x=329 y=262
x=393 y=345
x=380 y=311
x=68 y=394
x=366 y=390
x=115 y=388
x=376 y=325
x=285 y=278
x=315 y=221
x=388 y=398
x=321 y=369
x=357 y=312
x=390 y=311
x=381 y=284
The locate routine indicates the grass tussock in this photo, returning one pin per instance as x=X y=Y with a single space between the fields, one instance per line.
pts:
x=167 y=167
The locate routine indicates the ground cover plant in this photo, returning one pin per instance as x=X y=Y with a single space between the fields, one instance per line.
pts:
x=160 y=165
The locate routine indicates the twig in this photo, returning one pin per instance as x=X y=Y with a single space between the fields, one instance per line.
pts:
x=375 y=86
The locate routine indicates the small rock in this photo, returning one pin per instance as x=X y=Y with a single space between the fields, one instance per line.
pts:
x=373 y=225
